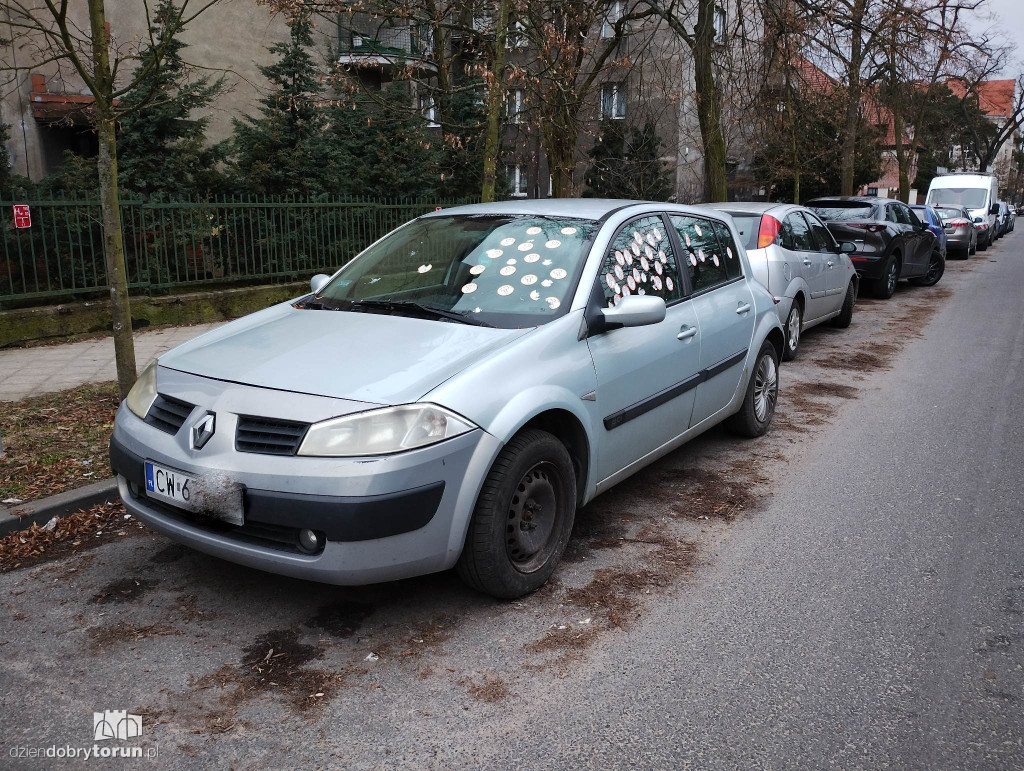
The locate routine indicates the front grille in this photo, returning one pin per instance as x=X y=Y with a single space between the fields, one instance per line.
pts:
x=168 y=414
x=269 y=436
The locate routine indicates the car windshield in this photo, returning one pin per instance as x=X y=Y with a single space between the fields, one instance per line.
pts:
x=505 y=270
x=838 y=211
x=968 y=197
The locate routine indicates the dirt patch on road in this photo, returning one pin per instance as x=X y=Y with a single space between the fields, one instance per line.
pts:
x=492 y=690
x=125 y=590
x=101 y=638
x=341 y=619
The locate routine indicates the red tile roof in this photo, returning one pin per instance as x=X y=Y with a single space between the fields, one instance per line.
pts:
x=995 y=97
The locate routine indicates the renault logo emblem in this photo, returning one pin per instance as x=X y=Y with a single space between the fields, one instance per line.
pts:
x=202 y=431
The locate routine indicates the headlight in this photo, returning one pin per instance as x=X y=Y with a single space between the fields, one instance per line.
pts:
x=384 y=431
x=141 y=397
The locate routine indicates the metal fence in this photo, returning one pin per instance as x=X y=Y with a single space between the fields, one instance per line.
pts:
x=170 y=246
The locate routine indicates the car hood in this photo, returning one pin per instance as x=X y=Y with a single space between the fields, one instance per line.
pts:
x=367 y=357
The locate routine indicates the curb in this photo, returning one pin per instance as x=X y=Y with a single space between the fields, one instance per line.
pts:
x=42 y=511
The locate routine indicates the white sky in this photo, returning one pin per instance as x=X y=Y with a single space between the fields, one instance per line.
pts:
x=1010 y=23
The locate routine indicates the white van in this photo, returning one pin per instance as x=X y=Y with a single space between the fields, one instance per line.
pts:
x=977 y=192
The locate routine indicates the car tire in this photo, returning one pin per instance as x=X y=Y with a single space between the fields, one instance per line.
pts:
x=982 y=244
x=936 y=267
x=759 y=399
x=885 y=286
x=531 y=487
x=794 y=323
x=842 y=321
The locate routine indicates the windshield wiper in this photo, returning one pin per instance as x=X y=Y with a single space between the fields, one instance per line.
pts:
x=415 y=307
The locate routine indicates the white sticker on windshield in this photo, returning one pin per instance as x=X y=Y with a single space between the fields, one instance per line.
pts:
x=546 y=282
x=630 y=282
x=508 y=270
x=656 y=283
x=559 y=273
x=531 y=257
x=528 y=279
x=609 y=279
x=507 y=241
x=469 y=288
x=662 y=256
x=553 y=302
x=525 y=246
x=546 y=262
x=637 y=237
x=533 y=231
x=510 y=261
x=635 y=248
x=658 y=268
x=534 y=295
x=657 y=234
x=649 y=252
x=554 y=243
x=668 y=283
x=619 y=258
x=687 y=237
x=728 y=252
x=619 y=272
x=644 y=263
x=424 y=268
x=714 y=259
x=567 y=231
x=700 y=254
x=506 y=289
x=636 y=275
x=476 y=270
x=494 y=253
x=650 y=239
x=693 y=259
x=697 y=230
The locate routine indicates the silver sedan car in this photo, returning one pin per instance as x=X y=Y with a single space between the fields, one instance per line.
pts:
x=796 y=258
x=454 y=393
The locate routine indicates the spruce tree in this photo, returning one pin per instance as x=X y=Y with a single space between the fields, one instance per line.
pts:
x=281 y=151
x=627 y=168
x=161 y=149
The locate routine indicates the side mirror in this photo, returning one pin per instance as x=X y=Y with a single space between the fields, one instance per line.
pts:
x=318 y=282
x=847 y=247
x=635 y=311
x=994 y=209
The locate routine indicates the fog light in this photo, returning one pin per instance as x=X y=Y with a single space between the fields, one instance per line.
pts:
x=309 y=541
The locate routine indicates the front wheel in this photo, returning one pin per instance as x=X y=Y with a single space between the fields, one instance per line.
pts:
x=762 y=392
x=936 y=267
x=522 y=519
x=842 y=321
x=793 y=323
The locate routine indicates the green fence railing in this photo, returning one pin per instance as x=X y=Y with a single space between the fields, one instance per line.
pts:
x=174 y=245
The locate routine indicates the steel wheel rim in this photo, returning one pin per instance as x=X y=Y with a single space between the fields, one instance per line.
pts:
x=766 y=388
x=892 y=277
x=532 y=516
x=793 y=327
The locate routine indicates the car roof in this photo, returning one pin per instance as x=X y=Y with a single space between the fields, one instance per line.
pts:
x=752 y=207
x=872 y=199
x=579 y=208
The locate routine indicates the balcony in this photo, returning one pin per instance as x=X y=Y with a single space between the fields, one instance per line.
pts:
x=383 y=47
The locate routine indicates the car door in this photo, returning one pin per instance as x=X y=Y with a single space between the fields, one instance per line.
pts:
x=835 y=277
x=903 y=241
x=920 y=236
x=646 y=376
x=811 y=264
x=723 y=304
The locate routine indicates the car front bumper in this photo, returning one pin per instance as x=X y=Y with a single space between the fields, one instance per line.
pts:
x=378 y=518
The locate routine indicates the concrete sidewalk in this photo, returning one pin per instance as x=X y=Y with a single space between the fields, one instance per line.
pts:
x=41 y=369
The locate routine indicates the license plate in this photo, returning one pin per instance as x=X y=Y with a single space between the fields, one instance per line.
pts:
x=188 y=491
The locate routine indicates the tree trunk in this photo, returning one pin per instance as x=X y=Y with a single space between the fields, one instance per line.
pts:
x=495 y=99
x=113 y=243
x=846 y=165
x=709 y=104
x=902 y=156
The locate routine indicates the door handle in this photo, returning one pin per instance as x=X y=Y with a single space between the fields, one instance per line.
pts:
x=743 y=308
x=685 y=333
x=807 y=262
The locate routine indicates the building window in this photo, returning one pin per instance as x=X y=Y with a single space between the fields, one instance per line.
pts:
x=720 y=20
x=873 y=191
x=429 y=111
x=613 y=100
x=516 y=36
x=514 y=108
x=612 y=13
x=518 y=184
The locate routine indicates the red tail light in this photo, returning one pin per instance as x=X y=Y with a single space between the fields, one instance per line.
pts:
x=872 y=227
x=768 y=231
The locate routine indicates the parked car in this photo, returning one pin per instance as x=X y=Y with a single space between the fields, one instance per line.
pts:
x=929 y=216
x=961 y=234
x=793 y=254
x=453 y=394
x=891 y=242
x=1013 y=218
x=977 y=193
x=1002 y=219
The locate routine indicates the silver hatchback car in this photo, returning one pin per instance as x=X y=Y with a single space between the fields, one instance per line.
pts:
x=794 y=255
x=454 y=393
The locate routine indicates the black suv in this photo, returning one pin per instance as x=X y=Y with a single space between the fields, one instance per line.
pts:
x=892 y=242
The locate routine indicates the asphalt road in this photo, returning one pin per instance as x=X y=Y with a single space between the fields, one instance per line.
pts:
x=846 y=592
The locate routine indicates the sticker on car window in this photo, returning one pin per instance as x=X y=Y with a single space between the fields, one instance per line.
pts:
x=635 y=249
x=619 y=258
x=693 y=259
x=687 y=237
x=507 y=241
x=476 y=270
x=697 y=230
x=728 y=252
x=554 y=243
x=533 y=231
x=619 y=272
x=559 y=273
x=506 y=289
x=510 y=261
x=568 y=231
x=657 y=234
x=531 y=257
x=528 y=279
x=494 y=253
x=553 y=302
x=714 y=259
x=668 y=283
x=508 y=270
x=546 y=282
x=469 y=288
x=658 y=268
x=424 y=268
x=534 y=295
x=525 y=246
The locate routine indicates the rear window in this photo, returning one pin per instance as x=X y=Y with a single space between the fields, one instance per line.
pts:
x=748 y=226
x=836 y=211
x=949 y=214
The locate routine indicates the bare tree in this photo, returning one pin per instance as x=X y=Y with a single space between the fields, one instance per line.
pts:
x=53 y=32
